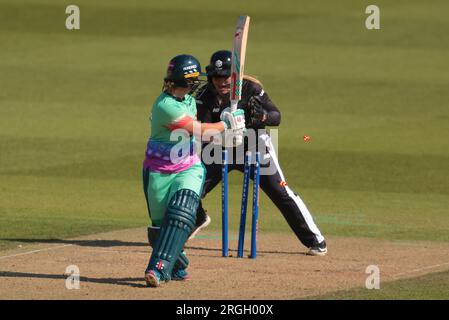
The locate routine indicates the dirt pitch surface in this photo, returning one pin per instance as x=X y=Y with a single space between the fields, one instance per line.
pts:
x=111 y=267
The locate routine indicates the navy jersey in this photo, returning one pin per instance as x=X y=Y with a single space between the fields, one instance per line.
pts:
x=210 y=104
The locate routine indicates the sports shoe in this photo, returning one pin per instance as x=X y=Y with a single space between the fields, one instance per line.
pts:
x=198 y=228
x=319 y=250
x=152 y=278
x=180 y=275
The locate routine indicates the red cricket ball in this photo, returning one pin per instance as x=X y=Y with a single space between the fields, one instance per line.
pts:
x=306 y=138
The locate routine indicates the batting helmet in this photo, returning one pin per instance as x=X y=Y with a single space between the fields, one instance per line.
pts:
x=183 y=69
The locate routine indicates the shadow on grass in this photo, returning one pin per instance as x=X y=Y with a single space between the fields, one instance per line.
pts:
x=86 y=243
x=116 y=281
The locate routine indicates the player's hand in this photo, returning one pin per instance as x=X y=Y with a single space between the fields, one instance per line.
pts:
x=257 y=114
x=233 y=120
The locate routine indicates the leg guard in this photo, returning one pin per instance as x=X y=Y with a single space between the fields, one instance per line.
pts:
x=178 y=223
x=181 y=263
x=152 y=234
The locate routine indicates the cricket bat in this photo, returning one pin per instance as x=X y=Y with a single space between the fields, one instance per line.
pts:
x=237 y=67
x=238 y=60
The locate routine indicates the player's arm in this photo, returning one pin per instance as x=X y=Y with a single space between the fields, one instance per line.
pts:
x=229 y=120
x=194 y=127
x=176 y=118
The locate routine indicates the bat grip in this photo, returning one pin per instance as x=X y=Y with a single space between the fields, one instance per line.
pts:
x=239 y=139
x=234 y=104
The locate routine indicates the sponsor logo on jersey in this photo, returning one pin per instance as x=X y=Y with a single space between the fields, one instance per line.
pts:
x=261 y=93
x=216 y=110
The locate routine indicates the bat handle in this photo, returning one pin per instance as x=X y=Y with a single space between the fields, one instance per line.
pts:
x=238 y=140
x=234 y=104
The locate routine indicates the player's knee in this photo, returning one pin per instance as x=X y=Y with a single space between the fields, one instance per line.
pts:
x=182 y=208
x=282 y=194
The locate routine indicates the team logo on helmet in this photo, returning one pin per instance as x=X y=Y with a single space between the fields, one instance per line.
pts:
x=218 y=63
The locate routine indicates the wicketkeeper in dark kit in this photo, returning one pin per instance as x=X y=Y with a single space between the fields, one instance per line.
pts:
x=260 y=111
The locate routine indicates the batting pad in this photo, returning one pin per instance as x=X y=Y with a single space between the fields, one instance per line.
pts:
x=178 y=223
x=182 y=262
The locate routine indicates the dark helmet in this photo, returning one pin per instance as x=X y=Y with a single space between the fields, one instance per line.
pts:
x=220 y=64
x=182 y=70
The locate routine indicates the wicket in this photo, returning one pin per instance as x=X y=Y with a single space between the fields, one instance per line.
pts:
x=224 y=204
x=244 y=204
x=255 y=219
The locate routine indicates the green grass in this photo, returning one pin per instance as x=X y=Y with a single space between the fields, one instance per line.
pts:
x=74 y=109
x=432 y=286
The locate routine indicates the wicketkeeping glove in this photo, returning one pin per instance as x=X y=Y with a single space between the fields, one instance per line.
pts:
x=257 y=114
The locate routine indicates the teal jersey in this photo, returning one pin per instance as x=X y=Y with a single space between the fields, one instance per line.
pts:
x=168 y=114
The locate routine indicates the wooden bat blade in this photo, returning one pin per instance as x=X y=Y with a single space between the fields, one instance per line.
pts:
x=238 y=59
